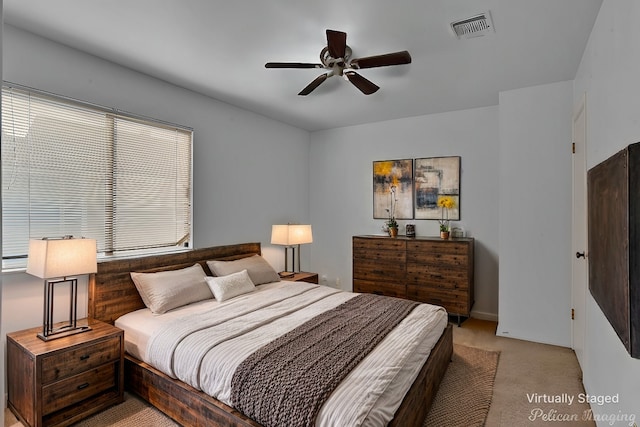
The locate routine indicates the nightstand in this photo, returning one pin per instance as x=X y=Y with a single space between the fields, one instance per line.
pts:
x=62 y=381
x=303 y=277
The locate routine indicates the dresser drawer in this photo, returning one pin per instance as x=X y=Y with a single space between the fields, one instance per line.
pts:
x=72 y=390
x=446 y=278
x=371 y=269
x=379 y=255
x=379 y=288
x=455 y=302
x=438 y=247
x=71 y=362
x=439 y=259
x=384 y=243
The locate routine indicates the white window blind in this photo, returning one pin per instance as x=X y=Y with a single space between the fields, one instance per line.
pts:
x=69 y=168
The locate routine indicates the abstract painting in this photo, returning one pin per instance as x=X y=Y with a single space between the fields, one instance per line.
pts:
x=393 y=177
x=436 y=177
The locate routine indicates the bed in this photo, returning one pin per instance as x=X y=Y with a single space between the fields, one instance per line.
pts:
x=112 y=295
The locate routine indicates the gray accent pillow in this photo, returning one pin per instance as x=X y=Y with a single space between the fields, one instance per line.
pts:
x=165 y=290
x=260 y=271
x=227 y=287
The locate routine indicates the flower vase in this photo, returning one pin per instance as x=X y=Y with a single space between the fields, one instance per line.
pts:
x=444 y=234
x=393 y=231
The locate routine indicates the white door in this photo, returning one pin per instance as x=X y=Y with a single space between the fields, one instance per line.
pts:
x=579 y=232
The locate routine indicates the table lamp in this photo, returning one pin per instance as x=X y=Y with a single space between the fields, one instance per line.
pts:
x=291 y=235
x=56 y=260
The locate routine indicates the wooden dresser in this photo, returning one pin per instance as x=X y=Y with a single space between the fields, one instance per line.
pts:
x=62 y=381
x=425 y=269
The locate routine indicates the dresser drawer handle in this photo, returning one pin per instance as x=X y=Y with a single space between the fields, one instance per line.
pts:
x=377 y=271
x=84 y=357
x=82 y=386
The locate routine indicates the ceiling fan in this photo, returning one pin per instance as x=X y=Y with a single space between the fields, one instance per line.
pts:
x=336 y=59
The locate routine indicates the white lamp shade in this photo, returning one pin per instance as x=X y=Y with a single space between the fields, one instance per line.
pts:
x=52 y=258
x=291 y=234
x=300 y=234
x=280 y=235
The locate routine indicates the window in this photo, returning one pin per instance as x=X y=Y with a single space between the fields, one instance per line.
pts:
x=69 y=168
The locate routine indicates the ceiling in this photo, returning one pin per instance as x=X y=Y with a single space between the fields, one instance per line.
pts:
x=219 y=48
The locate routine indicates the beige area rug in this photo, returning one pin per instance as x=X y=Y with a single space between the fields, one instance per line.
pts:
x=133 y=412
x=463 y=399
x=464 y=396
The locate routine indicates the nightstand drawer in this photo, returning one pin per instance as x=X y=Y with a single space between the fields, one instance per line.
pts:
x=71 y=362
x=75 y=389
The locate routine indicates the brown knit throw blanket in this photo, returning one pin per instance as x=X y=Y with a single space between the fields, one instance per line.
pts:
x=287 y=381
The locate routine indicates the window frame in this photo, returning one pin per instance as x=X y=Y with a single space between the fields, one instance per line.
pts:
x=18 y=262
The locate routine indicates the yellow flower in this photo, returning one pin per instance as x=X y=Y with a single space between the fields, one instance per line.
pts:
x=382 y=168
x=446 y=202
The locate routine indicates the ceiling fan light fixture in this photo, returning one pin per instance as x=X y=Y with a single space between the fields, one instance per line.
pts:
x=475 y=26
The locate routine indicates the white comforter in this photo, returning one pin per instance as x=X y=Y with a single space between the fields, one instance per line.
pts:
x=204 y=343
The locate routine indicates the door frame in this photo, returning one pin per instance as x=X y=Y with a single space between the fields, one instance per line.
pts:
x=579 y=236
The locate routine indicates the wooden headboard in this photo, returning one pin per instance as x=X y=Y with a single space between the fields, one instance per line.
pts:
x=112 y=293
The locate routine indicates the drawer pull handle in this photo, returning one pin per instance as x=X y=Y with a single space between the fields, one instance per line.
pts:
x=82 y=386
x=84 y=357
x=378 y=271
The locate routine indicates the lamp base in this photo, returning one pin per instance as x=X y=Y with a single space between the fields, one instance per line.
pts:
x=63 y=331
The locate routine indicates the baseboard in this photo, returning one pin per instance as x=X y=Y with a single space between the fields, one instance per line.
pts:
x=484 y=316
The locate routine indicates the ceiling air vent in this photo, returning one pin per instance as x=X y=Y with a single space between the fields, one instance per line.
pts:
x=475 y=26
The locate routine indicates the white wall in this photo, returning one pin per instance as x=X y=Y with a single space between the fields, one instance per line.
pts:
x=249 y=171
x=535 y=213
x=609 y=75
x=342 y=188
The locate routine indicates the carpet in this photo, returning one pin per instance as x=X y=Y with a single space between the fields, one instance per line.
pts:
x=463 y=399
x=133 y=412
x=464 y=396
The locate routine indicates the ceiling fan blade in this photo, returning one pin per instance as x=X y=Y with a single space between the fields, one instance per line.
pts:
x=314 y=84
x=337 y=43
x=366 y=86
x=292 y=65
x=395 y=58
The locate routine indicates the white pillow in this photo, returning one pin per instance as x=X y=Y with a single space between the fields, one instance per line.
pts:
x=232 y=285
x=258 y=268
x=165 y=290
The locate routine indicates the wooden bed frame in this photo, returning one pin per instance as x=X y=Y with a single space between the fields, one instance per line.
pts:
x=112 y=294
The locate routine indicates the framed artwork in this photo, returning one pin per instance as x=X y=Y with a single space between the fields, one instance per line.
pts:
x=393 y=177
x=436 y=177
